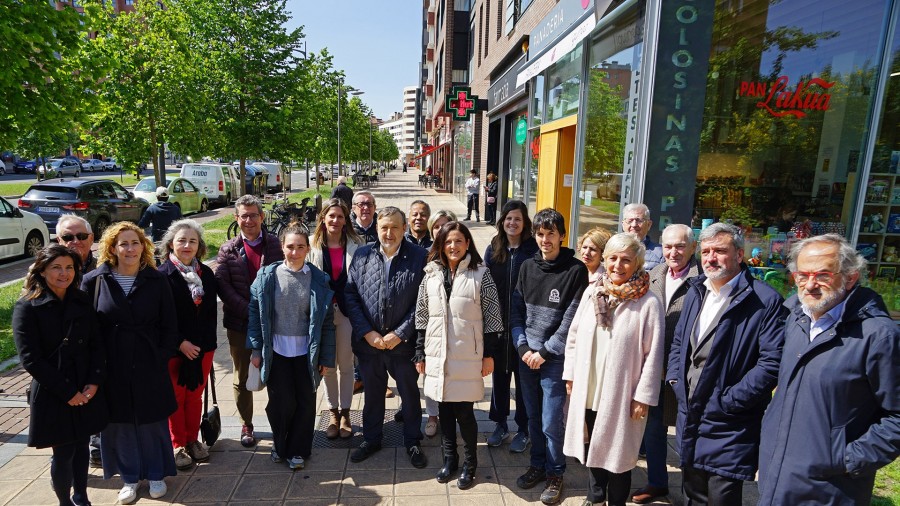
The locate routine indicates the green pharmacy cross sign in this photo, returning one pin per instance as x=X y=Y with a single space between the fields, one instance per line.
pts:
x=461 y=103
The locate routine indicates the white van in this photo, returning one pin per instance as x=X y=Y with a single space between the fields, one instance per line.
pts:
x=217 y=180
x=279 y=180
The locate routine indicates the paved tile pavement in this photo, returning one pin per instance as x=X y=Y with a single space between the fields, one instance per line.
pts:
x=235 y=475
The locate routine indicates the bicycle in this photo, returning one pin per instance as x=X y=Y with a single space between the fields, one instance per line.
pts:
x=280 y=216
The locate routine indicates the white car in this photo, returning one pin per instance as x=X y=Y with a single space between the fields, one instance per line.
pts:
x=92 y=165
x=21 y=232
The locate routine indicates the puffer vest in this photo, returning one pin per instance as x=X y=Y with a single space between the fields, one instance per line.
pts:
x=454 y=338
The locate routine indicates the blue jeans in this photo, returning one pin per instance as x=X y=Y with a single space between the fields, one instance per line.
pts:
x=544 y=392
x=655 y=445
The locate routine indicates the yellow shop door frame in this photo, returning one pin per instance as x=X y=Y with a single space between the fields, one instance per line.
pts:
x=556 y=166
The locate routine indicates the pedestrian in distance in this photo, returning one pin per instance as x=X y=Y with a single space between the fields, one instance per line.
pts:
x=458 y=318
x=668 y=283
x=160 y=215
x=473 y=186
x=590 y=248
x=56 y=334
x=510 y=247
x=193 y=286
x=342 y=191
x=491 y=193
x=723 y=365
x=613 y=370
x=382 y=286
x=835 y=417
x=334 y=243
x=544 y=303
x=291 y=333
x=237 y=264
x=137 y=318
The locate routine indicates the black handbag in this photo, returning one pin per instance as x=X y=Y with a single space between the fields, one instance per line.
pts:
x=211 y=423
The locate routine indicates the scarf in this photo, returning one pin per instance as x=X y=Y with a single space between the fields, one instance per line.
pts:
x=610 y=295
x=191 y=275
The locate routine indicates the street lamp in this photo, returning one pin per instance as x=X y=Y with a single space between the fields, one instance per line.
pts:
x=340 y=94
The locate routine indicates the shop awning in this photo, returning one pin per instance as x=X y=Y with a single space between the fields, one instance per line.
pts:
x=428 y=151
x=560 y=49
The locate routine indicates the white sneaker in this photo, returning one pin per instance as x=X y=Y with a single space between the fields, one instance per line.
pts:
x=157 y=488
x=128 y=493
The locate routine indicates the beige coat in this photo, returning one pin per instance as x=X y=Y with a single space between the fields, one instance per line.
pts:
x=454 y=336
x=633 y=372
x=315 y=256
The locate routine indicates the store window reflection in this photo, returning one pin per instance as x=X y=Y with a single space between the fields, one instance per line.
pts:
x=517 y=152
x=533 y=157
x=462 y=159
x=563 y=83
x=612 y=92
x=788 y=93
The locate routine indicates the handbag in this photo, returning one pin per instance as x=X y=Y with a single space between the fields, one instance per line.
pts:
x=491 y=200
x=254 y=382
x=211 y=423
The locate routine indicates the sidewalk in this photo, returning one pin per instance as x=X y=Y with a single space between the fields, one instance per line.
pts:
x=236 y=475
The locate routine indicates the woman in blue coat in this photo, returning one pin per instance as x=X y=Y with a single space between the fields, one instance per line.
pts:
x=56 y=334
x=291 y=333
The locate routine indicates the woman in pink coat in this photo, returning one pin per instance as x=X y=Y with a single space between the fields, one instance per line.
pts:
x=612 y=370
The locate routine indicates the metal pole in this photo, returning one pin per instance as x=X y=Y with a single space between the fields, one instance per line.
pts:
x=340 y=167
x=370 y=144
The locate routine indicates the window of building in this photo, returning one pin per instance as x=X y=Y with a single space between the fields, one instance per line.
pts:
x=563 y=88
x=514 y=11
x=487 y=26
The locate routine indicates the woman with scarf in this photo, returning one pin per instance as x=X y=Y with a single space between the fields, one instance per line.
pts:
x=612 y=370
x=194 y=293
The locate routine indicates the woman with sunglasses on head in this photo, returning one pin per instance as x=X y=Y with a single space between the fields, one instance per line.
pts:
x=56 y=334
x=333 y=244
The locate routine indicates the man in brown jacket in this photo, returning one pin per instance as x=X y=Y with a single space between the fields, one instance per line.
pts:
x=667 y=281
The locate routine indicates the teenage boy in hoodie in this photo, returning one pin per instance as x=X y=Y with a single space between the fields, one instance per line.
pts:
x=544 y=302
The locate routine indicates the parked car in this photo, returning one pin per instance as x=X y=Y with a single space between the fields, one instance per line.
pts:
x=278 y=178
x=59 y=167
x=182 y=193
x=100 y=201
x=109 y=164
x=23 y=233
x=27 y=166
x=217 y=181
x=92 y=165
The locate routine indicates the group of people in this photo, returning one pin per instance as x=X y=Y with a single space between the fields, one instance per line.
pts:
x=606 y=347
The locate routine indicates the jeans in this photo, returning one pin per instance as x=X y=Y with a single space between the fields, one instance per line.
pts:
x=374 y=368
x=655 y=445
x=544 y=392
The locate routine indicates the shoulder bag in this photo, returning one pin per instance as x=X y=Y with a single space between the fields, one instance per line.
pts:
x=211 y=423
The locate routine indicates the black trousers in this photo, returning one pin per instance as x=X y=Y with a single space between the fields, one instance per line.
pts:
x=463 y=413
x=702 y=488
x=490 y=212
x=292 y=406
x=604 y=485
x=374 y=368
x=472 y=205
x=68 y=468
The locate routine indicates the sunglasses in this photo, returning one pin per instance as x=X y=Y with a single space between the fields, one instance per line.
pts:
x=81 y=236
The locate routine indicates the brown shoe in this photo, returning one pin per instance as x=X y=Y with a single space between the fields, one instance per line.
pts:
x=346 y=429
x=648 y=494
x=357 y=386
x=331 y=432
x=389 y=394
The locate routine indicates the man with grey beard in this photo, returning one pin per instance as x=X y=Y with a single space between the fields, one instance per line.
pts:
x=835 y=417
x=723 y=365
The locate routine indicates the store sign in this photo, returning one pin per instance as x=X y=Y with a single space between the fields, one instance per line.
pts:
x=503 y=89
x=521 y=131
x=461 y=103
x=555 y=23
x=682 y=63
x=780 y=100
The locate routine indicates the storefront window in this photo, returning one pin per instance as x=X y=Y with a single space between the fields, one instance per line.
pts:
x=537 y=104
x=563 y=85
x=611 y=103
x=517 y=151
x=462 y=159
x=787 y=97
x=534 y=154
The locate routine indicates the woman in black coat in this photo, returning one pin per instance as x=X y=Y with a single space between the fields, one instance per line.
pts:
x=137 y=321
x=55 y=331
x=193 y=287
x=491 y=194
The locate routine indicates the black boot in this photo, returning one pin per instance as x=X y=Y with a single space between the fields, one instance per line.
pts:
x=467 y=476
x=451 y=465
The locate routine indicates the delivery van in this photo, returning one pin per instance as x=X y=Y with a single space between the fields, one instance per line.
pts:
x=279 y=179
x=217 y=180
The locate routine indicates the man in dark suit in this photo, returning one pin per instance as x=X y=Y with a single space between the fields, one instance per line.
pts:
x=667 y=281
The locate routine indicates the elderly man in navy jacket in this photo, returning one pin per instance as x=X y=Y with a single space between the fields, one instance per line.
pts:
x=722 y=366
x=382 y=285
x=835 y=418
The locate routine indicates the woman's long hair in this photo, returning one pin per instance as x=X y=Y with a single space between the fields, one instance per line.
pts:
x=321 y=234
x=500 y=242
x=437 y=249
x=35 y=284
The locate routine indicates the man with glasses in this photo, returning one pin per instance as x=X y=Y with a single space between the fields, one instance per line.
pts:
x=835 y=417
x=74 y=232
x=668 y=281
x=636 y=221
x=237 y=264
x=364 y=222
x=723 y=365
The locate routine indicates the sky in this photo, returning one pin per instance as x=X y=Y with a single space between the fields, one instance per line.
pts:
x=376 y=43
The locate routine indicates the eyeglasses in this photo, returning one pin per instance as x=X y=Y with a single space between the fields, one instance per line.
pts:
x=81 y=236
x=821 y=277
x=248 y=217
x=364 y=204
x=634 y=221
